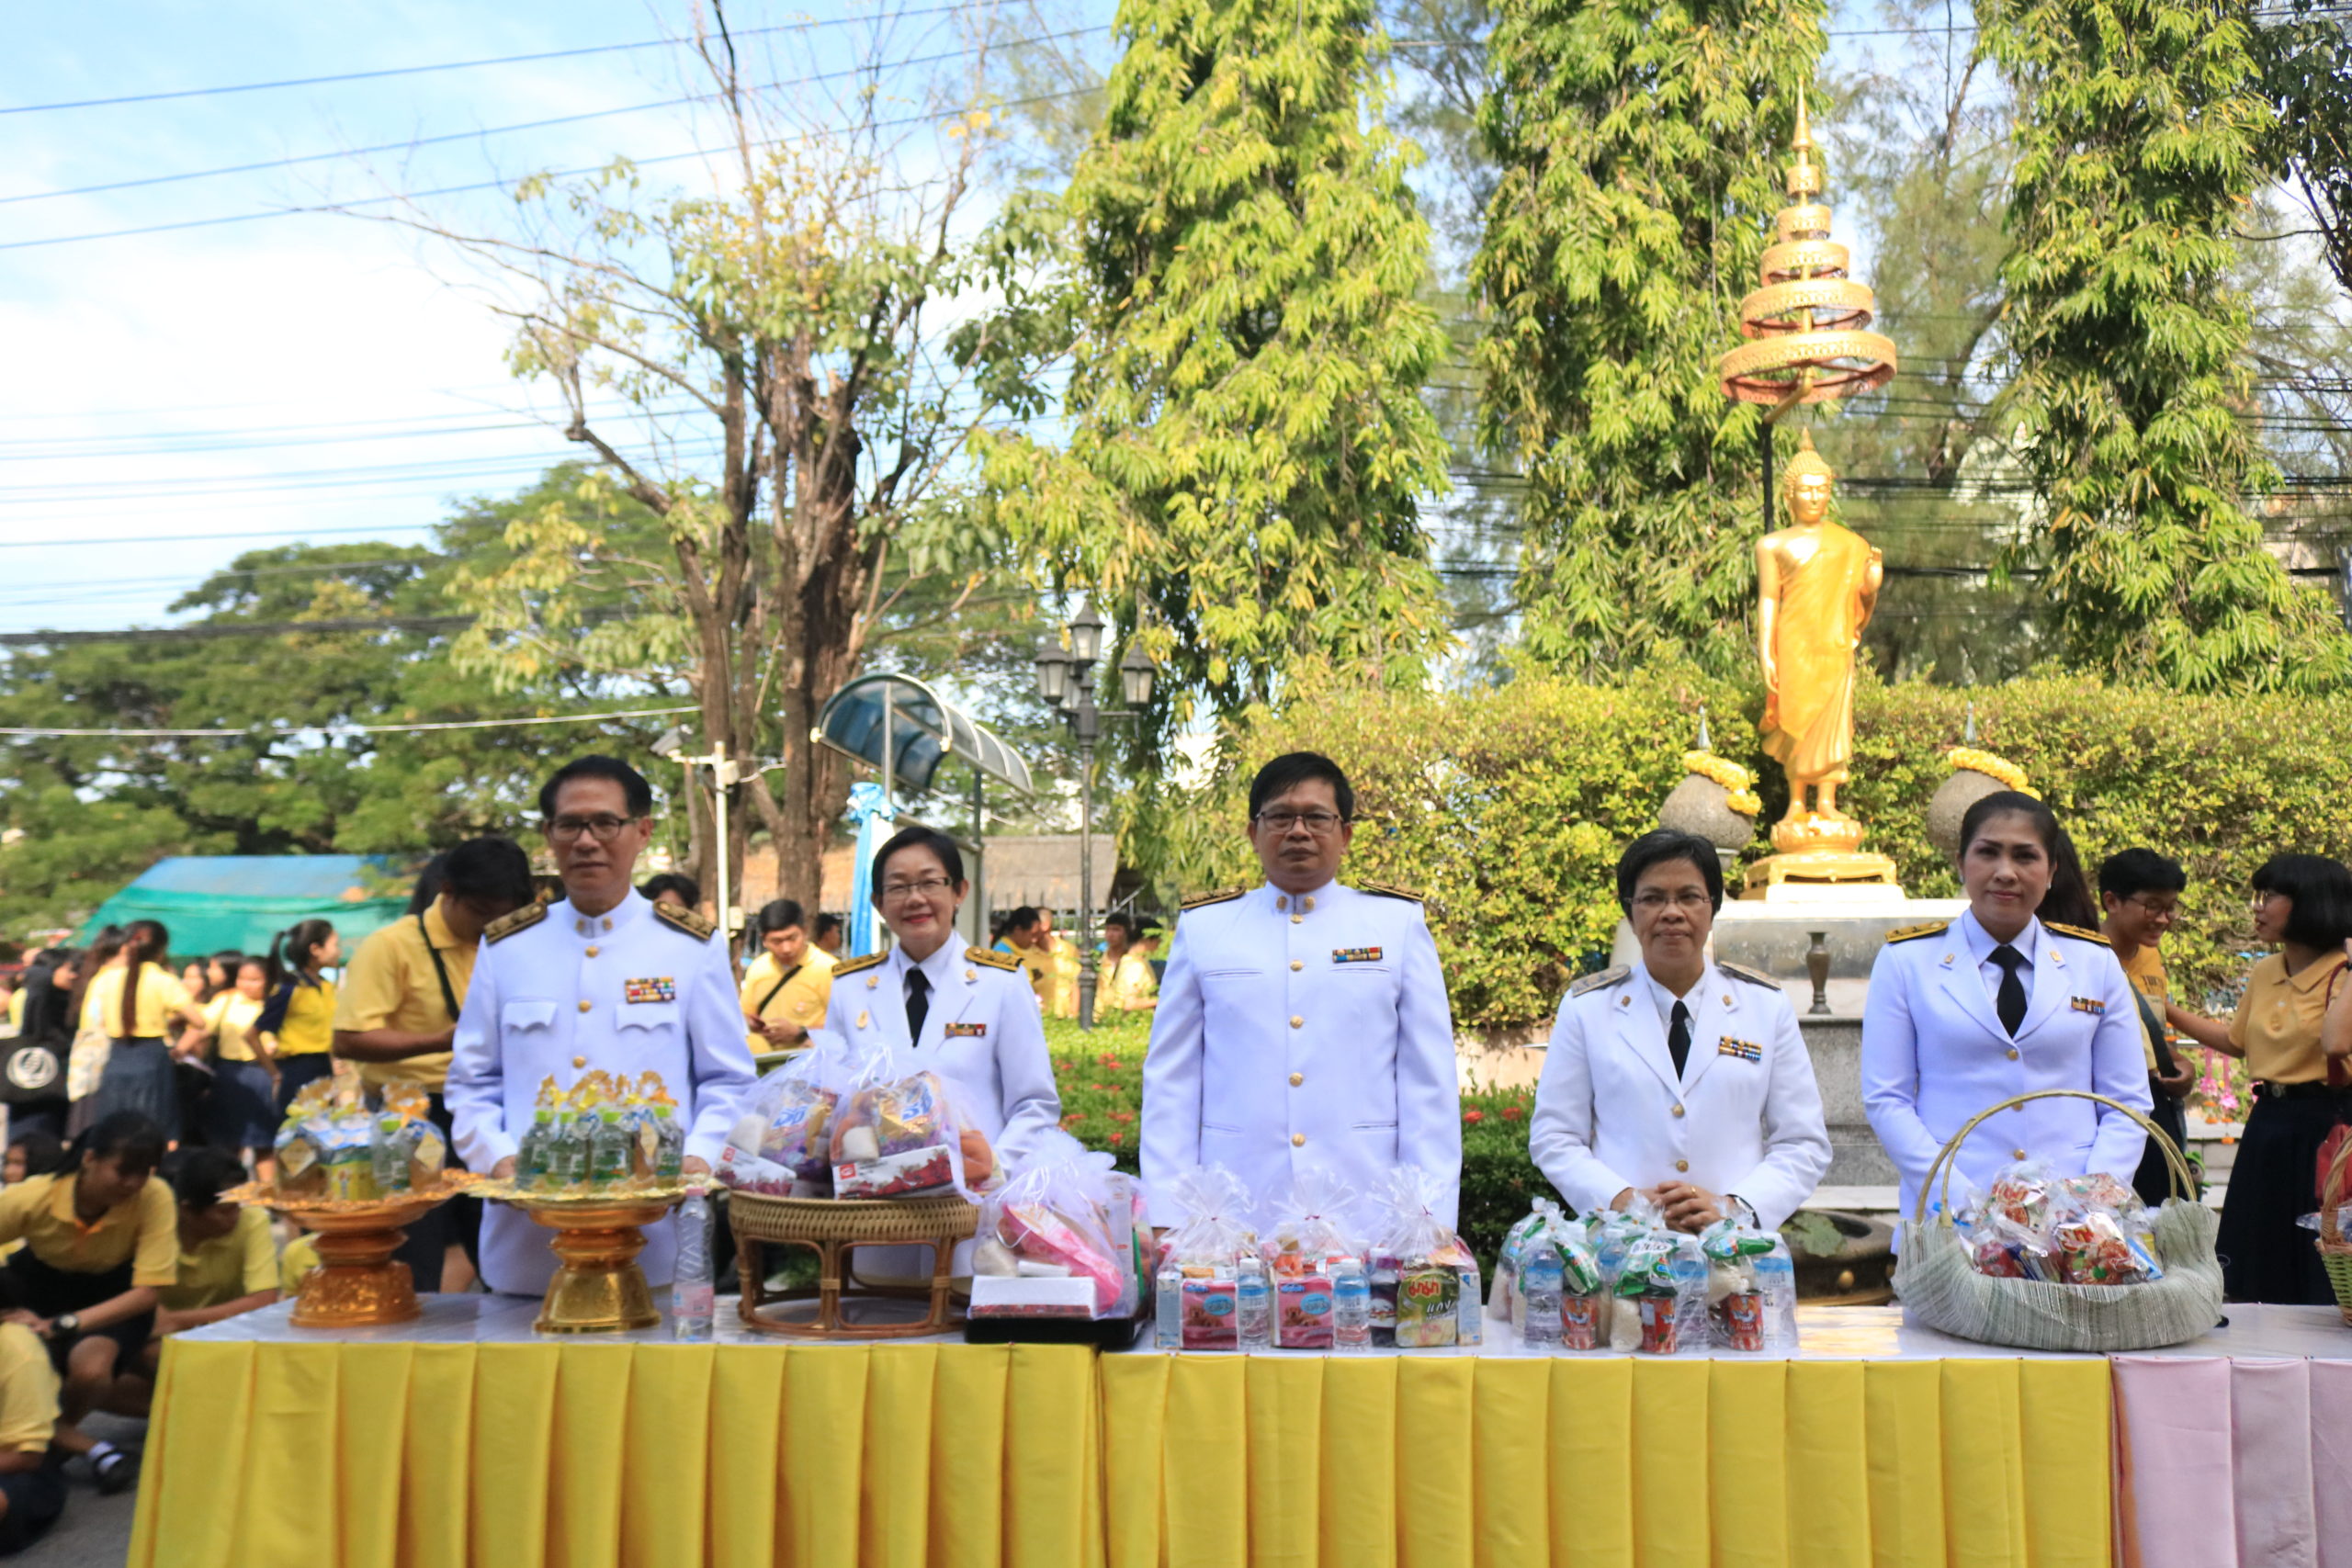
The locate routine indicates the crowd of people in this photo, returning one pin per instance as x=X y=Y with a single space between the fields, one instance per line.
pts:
x=1303 y=1021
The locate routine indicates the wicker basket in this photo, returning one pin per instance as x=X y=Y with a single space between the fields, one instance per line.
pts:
x=2335 y=1252
x=831 y=1228
x=1940 y=1287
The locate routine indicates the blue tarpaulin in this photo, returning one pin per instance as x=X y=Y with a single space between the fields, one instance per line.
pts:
x=239 y=903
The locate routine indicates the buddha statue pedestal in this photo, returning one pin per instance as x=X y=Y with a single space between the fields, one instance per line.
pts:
x=1821 y=859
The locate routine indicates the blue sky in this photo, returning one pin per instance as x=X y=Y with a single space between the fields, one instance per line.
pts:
x=308 y=375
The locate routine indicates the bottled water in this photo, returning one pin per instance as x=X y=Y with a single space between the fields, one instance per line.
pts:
x=531 y=1160
x=1351 y=1307
x=1540 y=1281
x=1469 y=1314
x=1776 y=1280
x=611 y=1150
x=1254 y=1298
x=1171 y=1308
x=692 y=1306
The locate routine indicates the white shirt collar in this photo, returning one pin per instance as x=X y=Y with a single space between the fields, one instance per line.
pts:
x=617 y=919
x=1301 y=902
x=1981 y=943
x=938 y=968
x=1665 y=999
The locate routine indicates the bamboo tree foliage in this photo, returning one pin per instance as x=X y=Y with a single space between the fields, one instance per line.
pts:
x=1247 y=444
x=1640 y=145
x=2138 y=144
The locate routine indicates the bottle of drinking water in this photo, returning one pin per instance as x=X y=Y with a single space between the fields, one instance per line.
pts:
x=1172 y=1307
x=1351 y=1307
x=1540 y=1281
x=1254 y=1299
x=692 y=1305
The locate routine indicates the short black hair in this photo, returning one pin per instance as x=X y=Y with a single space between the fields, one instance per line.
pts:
x=490 y=868
x=634 y=789
x=920 y=837
x=123 y=1135
x=1125 y=921
x=1291 y=768
x=1661 y=846
x=2128 y=873
x=1021 y=918
x=677 y=882
x=826 y=925
x=2001 y=803
x=778 y=915
x=2321 y=892
x=200 y=1176
x=43 y=1153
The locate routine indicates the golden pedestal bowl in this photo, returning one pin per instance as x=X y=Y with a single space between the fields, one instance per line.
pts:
x=356 y=1283
x=598 y=1287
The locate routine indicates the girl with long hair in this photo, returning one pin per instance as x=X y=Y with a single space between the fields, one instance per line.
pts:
x=137 y=1005
x=296 y=1028
x=244 y=1084
x=86 y=1058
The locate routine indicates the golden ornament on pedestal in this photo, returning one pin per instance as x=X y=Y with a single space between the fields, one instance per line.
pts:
x=356 y=1283
x=598 y=1287
x=1817 y=581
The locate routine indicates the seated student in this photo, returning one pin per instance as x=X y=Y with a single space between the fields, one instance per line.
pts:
x=32 y=1490
x=228 y=1258
x=33 y=1152
x=101 y=1238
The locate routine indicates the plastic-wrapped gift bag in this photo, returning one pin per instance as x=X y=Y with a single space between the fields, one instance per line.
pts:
x=1430 y=1274
x=1055 y=1238
x=1207 y=1247
x=1308 y=1237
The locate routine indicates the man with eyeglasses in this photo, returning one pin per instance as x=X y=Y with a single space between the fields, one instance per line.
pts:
x=1303 y=1021
x=1675 y=1080
x=2139 y=891
x=600 y=979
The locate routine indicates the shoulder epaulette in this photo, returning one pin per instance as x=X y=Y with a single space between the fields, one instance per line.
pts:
x=523 y=918
x=1909 y=933
x=1601 y=981
x=2078 y=933
x=1384 y=890
x=852 y=965
x=1202 y=900
x=986 y=956
x=686 y=920
x=1753 y=976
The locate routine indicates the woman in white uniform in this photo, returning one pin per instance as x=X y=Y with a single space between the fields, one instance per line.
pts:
x=1963 y=1014
x=1684 y=1081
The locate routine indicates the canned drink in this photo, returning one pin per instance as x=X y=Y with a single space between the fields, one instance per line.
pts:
x=1659 y=1334
x=1744 y=1315
x=1580 y=1322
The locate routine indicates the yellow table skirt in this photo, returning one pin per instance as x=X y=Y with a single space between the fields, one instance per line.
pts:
x=273 y=1455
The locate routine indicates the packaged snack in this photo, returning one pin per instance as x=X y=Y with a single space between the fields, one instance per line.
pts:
x=1745 y=1286
x=1415 y=1246
x=1428 y=1303
x=1664 y=1280
x=2084 y=1230
x=902 y=1138
x=1053 y=1220
x=1207 y=1247
x=786 y=1120
x=1304 y=1244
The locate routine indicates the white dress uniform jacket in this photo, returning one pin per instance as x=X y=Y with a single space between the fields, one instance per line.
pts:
x=1934 y=1054
x=981 y=1035
x=557 y=994
x=1301 y=1029
x=1742 y=1119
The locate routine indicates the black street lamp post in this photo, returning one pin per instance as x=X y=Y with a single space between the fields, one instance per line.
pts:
x=1067 y=680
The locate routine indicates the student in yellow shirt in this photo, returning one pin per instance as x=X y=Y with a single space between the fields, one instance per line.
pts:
x=239 y=1115
x=1130 y=984
x=397 y=1010
x=32 y=1490
x=138 y=1005
x=101 y=1238
x=296 y=1024
x=2139 y=894
x=86 y=1058
x=228 y=1259
x=788 y=985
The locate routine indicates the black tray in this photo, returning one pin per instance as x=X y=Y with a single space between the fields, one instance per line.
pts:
x=1105 y=1333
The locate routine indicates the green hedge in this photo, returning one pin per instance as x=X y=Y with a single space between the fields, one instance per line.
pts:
x=1507 y=805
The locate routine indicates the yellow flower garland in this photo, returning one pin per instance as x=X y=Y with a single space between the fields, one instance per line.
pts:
x=1971 y=760
x=1738 y=783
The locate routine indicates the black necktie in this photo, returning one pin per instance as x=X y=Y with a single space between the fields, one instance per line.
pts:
x=1677 y=1037
x=2010 y=1002
x=918 y=1004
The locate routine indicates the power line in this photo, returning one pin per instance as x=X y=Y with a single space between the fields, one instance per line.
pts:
x=300 y=730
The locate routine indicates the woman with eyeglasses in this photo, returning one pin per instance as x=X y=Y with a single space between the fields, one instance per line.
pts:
x=944 y=1005
x=1677 y=1079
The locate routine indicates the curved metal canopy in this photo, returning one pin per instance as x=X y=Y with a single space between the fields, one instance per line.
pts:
x=925 y=728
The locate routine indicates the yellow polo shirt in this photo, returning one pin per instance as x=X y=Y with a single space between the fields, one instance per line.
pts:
x=230 y=1018
x=2147 y=973
x=239 y=1264
x=803 y=998
x=27 y=1391
x=161 y=996
x=1132 y=986
x=301 y=1256
x=143 y=1232
x=307 y=1027
x=2278 y=1021
x=390 y=984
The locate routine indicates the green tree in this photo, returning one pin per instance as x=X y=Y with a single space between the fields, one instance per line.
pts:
x=2139 y=143
x=1639 y=147
x=1248 y=447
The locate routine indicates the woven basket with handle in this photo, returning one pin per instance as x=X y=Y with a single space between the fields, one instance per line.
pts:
x=1939 y=1286
x=2335 y=1252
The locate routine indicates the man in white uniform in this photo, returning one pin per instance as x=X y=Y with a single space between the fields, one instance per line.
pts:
x=599 y=979
x=1301 y=1023
x=1676 y=1079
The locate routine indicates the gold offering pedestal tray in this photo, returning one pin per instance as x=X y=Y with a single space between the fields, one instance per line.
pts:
x=356 y=1283
x=831 y=1228
x=598 y=1287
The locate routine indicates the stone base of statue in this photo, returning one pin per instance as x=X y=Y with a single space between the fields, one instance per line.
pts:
x=1819 y=851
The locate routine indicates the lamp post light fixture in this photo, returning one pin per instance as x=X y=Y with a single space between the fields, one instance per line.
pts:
x=1065 y=680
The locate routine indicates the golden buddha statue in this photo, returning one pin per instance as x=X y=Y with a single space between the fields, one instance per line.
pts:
x=1817 y=581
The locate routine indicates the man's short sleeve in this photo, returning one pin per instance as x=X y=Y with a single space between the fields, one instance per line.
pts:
x=156 y=1260
x=374 y=983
